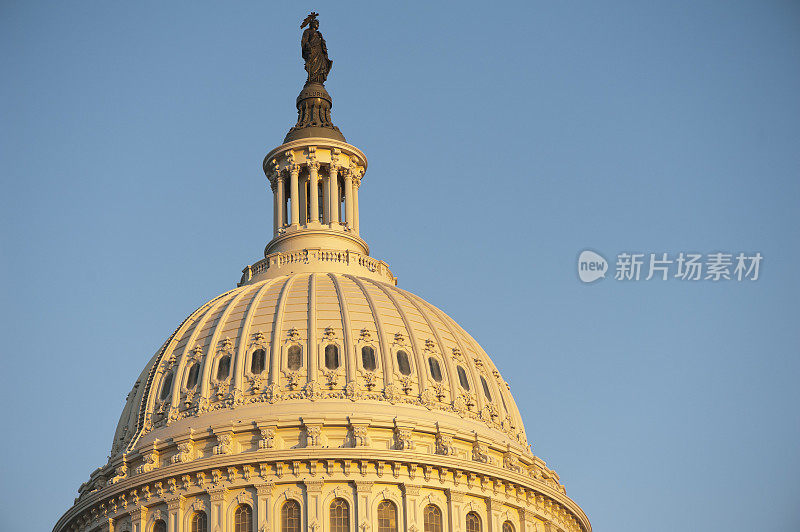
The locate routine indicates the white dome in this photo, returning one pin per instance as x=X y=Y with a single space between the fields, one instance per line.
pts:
x=389 y=353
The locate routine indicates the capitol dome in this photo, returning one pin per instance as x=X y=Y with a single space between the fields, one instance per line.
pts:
x=317 y=395
x=344 y=345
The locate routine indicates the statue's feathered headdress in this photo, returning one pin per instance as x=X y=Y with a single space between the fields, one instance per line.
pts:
x=311 y=16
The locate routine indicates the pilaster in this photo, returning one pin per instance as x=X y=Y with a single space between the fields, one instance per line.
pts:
x=175 y=514
x=217 y=518
x=410 y=496
x=455 y=503
x=263 y=497
x=316 y=513
x=138 y=519
x=362 y=513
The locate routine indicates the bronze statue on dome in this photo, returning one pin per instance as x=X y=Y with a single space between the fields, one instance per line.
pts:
x=315 y=52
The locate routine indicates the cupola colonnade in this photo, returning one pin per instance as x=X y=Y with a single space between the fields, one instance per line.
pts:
x=334 y=174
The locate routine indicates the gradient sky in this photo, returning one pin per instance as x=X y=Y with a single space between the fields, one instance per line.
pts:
x=503 y=139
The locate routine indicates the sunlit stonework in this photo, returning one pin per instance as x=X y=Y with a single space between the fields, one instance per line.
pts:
x=317 y=395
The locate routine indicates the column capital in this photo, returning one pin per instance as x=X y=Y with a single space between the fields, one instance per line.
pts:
x=175 y=503
x=411 y=490
x=217 y=495
x=455 y=495
x=265 y=488
x=314 y=486
x=363 y=486
x=273 y=177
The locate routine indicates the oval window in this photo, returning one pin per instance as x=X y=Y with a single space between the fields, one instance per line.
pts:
x=332 y=356
x=486 y=391
x=402 y=362
x=166 y=387
x=224 y=368
x=294 y=358
x=368 y=358
x=462 y=378
x=436 y=371
x=258 y=361
x=194 y=372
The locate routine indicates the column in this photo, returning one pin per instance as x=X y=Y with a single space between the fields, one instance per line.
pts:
x=314 y=511
x=217 y=514
x=303 y=203
x=326 y=197
x=313 y=189
x=333 y=201
x=294 y=173
x=493 y=508
x=356 y=186
x=363 y=492
x=410 y=495
x=138 y=519
x=526 y=523
x=348 y=198
x=273 y=185
x=263 y=493
x=175 y=514
x=281 y=195
x=455 y=502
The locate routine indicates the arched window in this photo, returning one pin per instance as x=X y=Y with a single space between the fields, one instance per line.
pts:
x=402 y=363
x=160 y=526
x=243 y=519
x=166 y=386
x=462 y=378
x=432 y=517
x=224 y=368
x=486 y=391
x=508 y=527
x=473 y=522
x=199 y=522
x=294 y=357
x=194 y=372
x=387 y=516
x=436 y=371
x=258 y=361
x=340 y=516
x=368 y=358
x=290 y=516
x=331 y=356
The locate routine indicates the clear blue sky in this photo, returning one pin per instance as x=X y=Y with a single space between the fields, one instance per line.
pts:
x=503 y=139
